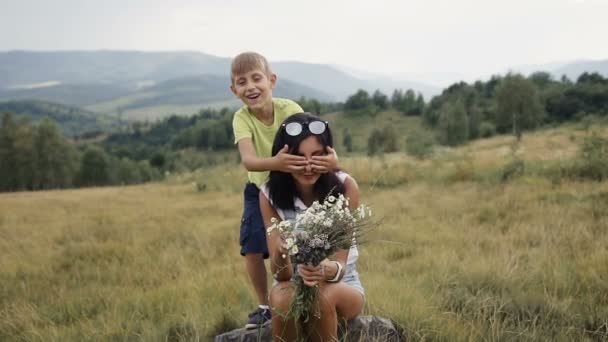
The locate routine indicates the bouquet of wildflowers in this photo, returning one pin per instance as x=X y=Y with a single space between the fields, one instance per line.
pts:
x=314 y=235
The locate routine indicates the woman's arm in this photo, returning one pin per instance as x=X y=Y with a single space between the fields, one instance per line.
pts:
x=279 y=266
x=328 y=270
x=351 y=191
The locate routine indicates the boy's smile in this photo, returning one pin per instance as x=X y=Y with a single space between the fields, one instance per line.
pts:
x=254 y=88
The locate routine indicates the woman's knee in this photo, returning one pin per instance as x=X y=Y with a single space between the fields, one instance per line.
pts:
x=346 y=301
x=281 y=296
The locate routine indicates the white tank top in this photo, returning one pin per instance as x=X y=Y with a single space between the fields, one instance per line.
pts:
x=300 y=207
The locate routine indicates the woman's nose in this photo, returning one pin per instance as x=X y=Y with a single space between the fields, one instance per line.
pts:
x=309 y=166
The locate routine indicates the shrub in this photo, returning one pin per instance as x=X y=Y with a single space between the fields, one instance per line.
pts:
x=419 y=144
x=593 y=158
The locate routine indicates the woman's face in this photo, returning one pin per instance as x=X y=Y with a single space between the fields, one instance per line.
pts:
x=309 y=147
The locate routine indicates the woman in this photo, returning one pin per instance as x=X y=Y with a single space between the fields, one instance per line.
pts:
x=341 y=295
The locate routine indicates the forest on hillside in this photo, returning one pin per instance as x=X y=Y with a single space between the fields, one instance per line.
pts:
x=36 y=152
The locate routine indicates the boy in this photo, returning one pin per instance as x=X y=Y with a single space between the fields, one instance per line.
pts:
x=255 y=126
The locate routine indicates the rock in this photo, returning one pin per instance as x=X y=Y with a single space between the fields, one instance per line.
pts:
x=363 y=328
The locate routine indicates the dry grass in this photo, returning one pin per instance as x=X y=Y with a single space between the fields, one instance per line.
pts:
x=525 y=260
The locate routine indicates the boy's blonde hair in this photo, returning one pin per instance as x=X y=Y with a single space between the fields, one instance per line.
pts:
x=247 y=61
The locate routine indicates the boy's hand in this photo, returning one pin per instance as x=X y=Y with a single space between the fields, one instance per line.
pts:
x=323 y=164
x=286 y=162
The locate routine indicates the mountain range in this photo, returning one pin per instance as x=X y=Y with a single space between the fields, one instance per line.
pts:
x=151 y=84
x=147 y=85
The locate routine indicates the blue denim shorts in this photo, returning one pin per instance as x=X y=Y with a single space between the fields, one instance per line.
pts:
x=351 y=278
x=253 y=233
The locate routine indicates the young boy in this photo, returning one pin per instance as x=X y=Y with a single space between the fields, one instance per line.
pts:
x=255 y=126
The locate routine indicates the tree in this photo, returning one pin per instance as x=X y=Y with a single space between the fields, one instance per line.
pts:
x=55 y=157
x=397 y=98
x=453 y=124
x=381 y=141
x=8 y=161
x=25 y=156
x=360 y=100
x=419 y=144
x=380 y=100
x=419 y=105
x=310 y=105
x=374 y=142
x=541 y=79
x=94 y=168
x=518 y=105
x=348 y=141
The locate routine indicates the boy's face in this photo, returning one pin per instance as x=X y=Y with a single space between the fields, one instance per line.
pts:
x=254 y=88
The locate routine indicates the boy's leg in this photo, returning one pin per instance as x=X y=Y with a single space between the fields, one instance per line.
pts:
x=255 y=250
x=257 y=274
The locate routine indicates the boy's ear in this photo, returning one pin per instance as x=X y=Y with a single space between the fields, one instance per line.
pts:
x=273 y=80
x=233 y=90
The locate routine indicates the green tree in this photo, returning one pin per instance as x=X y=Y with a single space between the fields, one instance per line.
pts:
x=359 y=100
x=419 y=144
x=8 y=155
x=475 y=120
x=374 y=142
x=419 y=105
x=389 y=139
x=348 y=141
x=94 y=168
x=310 y=105
x=397 y=98
x=518 y=105
x=25 y=156
x=55 y=157
x=380 y=100
x=453 y=124
x=382 y=140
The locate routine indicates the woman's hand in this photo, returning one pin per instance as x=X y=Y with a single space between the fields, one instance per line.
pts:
x=312 y=275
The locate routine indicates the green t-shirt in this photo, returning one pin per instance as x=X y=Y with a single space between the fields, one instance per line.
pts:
x=246 y=125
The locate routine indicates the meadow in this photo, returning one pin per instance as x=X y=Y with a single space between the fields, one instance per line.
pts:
x=464 y=253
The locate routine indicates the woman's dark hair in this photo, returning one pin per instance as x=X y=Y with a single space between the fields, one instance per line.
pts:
x=281 y=185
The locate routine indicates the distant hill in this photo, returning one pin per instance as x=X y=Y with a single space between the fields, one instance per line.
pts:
x=575 y=69
x=72 y=121
x=69 y=94
x=186 y=95
x=130 y=69
x=19 y=68
x=572 y=69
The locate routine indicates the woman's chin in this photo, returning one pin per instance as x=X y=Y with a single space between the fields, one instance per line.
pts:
x=307 y=180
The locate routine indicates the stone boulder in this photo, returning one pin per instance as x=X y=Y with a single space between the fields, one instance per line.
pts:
x=363 y=328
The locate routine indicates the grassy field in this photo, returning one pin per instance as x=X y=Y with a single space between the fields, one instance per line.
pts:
x=469 y=258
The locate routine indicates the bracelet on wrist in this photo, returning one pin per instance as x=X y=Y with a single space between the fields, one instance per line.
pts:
x=338 y=273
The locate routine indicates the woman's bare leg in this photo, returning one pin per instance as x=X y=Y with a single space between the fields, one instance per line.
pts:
x=336 y=301
x=280 y=298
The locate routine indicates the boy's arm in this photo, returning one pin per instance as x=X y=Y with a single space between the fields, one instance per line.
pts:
x=282 y=161
x=279 y=266
x=329 y=162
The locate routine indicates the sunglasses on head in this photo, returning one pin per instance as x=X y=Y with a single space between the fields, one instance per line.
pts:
x=314 y=127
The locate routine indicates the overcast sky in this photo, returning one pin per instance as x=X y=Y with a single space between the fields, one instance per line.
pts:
x=464 y=36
